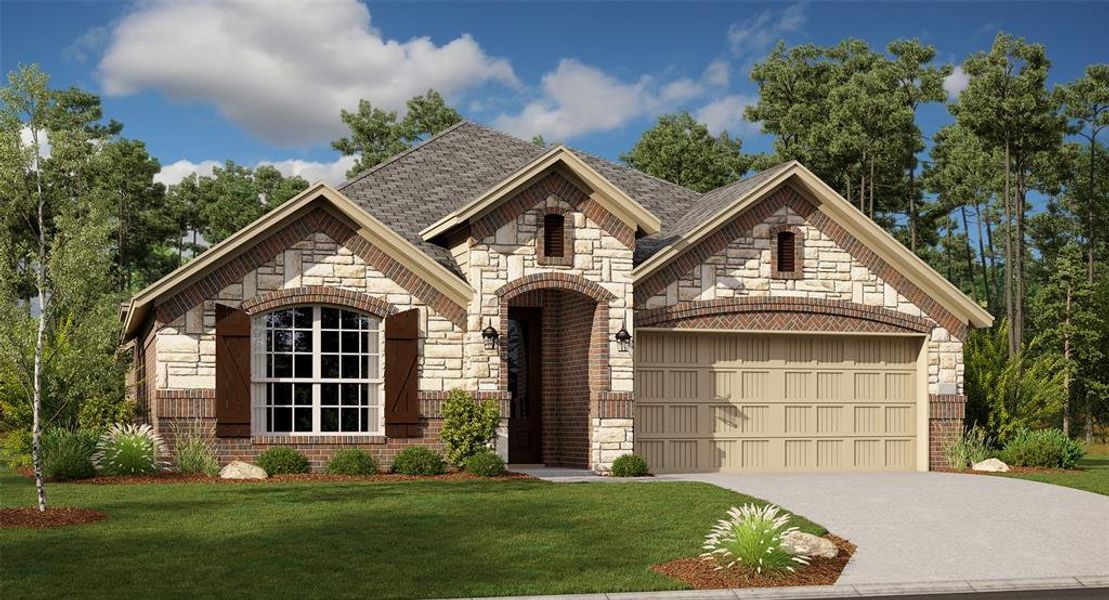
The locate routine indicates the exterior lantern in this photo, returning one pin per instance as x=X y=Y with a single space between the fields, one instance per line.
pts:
x=489 y=335
x=623 y=338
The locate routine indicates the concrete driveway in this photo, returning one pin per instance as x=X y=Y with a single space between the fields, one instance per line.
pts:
x=915 y=527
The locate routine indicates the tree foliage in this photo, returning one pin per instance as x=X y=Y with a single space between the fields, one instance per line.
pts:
x=681 y=150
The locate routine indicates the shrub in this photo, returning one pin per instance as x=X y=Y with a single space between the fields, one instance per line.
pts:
x=485 y=463
x=352 y=461
x=283 y=461
x=195 y=452
x=129 y=450
x=629 y=465
x=17 y=448
x=67 y=454
x=1043 y=448
x=100 y=412
x=469 y=426
x=972 y=446
x=751 y=539
x=417 y=460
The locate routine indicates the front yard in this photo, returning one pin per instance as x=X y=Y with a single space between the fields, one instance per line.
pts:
x=373 y=540
x=1092 y=475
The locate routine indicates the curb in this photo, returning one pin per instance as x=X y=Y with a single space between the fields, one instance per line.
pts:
x=862 y=590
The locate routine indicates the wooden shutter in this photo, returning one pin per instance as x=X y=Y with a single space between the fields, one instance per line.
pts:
x=402 y=405
x=232 y=372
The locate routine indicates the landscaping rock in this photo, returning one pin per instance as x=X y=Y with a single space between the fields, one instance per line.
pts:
x=991 y=465
x=808 y=544
x=238 y=469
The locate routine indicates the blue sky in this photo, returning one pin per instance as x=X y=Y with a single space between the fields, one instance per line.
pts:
x=263 y=81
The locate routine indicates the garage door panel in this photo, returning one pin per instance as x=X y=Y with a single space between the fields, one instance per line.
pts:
x=803 y=404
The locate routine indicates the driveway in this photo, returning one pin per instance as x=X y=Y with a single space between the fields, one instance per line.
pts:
x=915 y=527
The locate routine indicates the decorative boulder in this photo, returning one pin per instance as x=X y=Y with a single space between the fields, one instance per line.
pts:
x=808 y=544
x=238 y=469
x=990 y=465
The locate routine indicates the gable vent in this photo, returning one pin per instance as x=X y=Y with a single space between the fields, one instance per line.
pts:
x=786 y=258
x=554 y=227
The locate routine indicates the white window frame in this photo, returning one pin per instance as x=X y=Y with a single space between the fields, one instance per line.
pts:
x=260 y=355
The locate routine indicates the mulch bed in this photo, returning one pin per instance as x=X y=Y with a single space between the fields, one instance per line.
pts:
x=31 y=518
x=702 y=574
x=169 y=477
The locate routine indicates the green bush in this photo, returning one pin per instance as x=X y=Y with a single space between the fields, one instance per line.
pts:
x=750 y=539
x=469 y=426
x=283 y=461
x=973 y=446
x=352 y=461
x=17 y=448
x=1042 y=448
x=129 y=450
x=629 y=465
x=195 y=451
x=67 y=454
x=485 y=463
x=417 y=460
x=100 y=412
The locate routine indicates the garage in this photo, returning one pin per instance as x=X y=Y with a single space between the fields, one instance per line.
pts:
x=765 y=402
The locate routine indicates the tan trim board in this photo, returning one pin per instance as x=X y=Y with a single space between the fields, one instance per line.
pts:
x=778 y=332
x=608 y=195
x=374 y=231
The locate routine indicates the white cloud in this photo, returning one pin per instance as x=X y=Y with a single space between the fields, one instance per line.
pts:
x=956 y=82
x=173 y=173
x=752 y=38
x=726 y=114
x=717 y=73
x=281 y=69
x=579 y=99
x=333 y=172
x=88 y=44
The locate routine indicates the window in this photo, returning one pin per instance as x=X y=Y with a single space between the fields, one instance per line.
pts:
x=786 y=246
x=317 y=370
x=554 y=235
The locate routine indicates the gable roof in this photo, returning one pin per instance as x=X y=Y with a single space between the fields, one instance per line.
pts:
x=417 y=188
x=718 y=207
x=608 y=195
x=380 y=235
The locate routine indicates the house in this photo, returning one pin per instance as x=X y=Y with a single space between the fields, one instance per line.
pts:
x=764 y=326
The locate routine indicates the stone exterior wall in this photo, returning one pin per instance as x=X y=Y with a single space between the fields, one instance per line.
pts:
x=742 y=266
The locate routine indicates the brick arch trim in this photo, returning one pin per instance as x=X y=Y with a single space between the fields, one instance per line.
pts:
x=558 y=281
x=783 y=314
x=318 y=294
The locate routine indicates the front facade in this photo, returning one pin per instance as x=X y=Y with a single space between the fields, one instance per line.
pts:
x=764 y=326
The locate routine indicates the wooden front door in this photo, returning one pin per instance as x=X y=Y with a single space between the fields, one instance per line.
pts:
x=525 y=430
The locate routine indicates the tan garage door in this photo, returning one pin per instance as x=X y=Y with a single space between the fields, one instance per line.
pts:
x=753 y=402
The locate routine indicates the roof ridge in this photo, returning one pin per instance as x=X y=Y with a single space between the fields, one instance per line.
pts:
x=400 y=155
x=621 y=165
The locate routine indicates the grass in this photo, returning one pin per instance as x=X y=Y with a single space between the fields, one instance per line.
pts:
x=372 y=540
x=1092 y=475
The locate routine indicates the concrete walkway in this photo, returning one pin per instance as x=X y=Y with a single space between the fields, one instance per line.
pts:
x=920 y=527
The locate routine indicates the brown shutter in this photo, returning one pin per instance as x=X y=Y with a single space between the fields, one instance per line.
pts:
x=402 y=406
x=232 y=372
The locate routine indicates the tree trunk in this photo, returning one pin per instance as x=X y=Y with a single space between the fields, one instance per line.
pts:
x=987 y=281
x=871 y=190
x=1018 y=274
x=969 y=251
x=912 y=211
x=1014 y=347
x=40 y=336
x=1066 y=359
x=1090 y=210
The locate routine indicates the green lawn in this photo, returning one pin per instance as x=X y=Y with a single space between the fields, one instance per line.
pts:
x=1093 y=476
x=370 y=540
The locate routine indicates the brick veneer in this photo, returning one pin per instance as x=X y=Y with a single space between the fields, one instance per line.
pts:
x=798 y=252
x=945 y=425
x=318 y=294
x=320 y=220
x=787 y=196
x=782 y=314
x=567 y=258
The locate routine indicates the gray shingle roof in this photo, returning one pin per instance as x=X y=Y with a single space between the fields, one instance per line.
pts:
x=416 y=188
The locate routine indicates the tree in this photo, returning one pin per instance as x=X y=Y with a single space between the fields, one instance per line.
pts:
x=66 y=257
x=1085 y=104
x=1006 y=103
x=235 y=195
x=376 y=135
x=681 y=150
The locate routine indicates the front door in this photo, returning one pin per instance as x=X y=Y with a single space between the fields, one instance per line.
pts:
x=525 y=432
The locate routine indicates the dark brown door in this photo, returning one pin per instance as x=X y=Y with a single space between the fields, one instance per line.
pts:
x=525 y=430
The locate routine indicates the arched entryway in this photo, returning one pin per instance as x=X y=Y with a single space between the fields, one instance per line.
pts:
x=555 y=354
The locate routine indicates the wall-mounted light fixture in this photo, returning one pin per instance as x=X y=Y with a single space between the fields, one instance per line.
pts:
x=623 y=338
x=489 y=335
